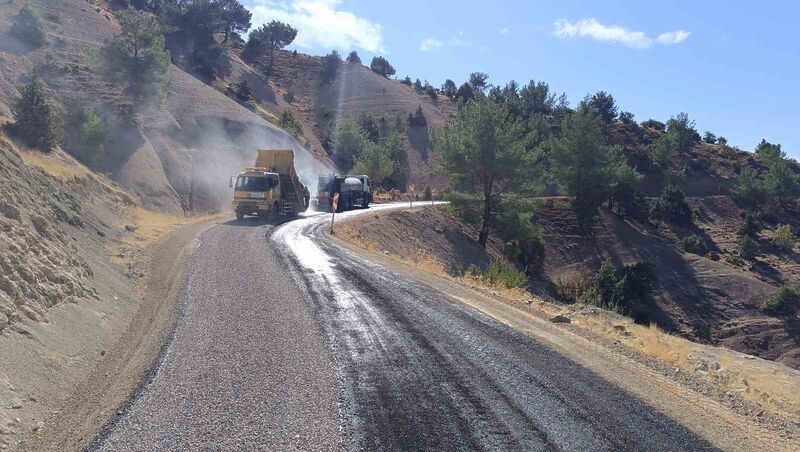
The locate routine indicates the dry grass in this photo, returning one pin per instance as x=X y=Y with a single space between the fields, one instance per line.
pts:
x=56 y=163
x=771 y=385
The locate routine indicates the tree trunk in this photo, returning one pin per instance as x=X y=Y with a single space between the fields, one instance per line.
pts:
x=487 y=213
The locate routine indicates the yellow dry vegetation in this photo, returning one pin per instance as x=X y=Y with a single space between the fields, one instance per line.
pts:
x=770 y=384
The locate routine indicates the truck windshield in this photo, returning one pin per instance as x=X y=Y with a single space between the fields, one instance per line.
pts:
x=251 y=183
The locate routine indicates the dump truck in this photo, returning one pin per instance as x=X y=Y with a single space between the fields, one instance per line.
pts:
x=270 y=188
x=353 y=191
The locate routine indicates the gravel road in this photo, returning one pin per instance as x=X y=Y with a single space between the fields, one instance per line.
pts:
x=290 y=342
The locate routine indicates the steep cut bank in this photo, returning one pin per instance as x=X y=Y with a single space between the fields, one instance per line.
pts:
x=175 y=159
x=73 y=251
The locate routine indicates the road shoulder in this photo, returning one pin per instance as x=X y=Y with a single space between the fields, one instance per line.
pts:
x=124 y=366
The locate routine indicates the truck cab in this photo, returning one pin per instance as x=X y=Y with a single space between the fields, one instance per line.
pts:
x=256 y=192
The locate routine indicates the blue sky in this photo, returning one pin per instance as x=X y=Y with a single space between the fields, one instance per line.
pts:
x=732 y=66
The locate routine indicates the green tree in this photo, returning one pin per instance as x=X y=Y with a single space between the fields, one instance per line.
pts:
x=483 y=151
x=190 y=31
x=270 y=38
x=369 y=126
x=660 y=151
x=348 y=141
x=381 y=66
x=27 y=27
x=770 y=153
x=626 y=117
x=330 y=65
x=84 y=132
x=465 y=93
x=36 y=122
x=603 y=105
x=449 y=88
x=672 y=206
x=353 y=57
x=137 y=56
x=750 y=190
x=682 y=132
x=235 y=18
x=478 y=81
x=585 y=166
x=709 y=138
x=374 y=161
x=398 y=177
x=418 y=118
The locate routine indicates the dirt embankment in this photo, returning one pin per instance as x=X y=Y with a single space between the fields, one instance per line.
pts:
x=73 y=251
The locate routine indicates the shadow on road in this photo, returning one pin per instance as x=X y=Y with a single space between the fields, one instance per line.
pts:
x=254 y=222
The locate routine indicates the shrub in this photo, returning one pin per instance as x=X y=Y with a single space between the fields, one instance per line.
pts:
x=288 y=122
x=660 y=152
x=468 y=206
x=784 y=302
x=428 y=193
x=406 y=81
x=84 y=132
x=572 y=290
x=524 y=243
x=36 y=122
x=243 y=93
x=750 y=226
x=504 y=274
x=418 y=118
x=27 y=27
x=672 y=206
x=748 y=248
x=694 y=244
x=784 y=237
x=709 y=138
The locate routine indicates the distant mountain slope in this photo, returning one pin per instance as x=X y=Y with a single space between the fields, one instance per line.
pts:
x=198 y=139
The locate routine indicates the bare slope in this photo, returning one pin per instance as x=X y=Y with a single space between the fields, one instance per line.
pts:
x=193 y=145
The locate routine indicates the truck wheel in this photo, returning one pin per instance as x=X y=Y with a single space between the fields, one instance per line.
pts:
x=239 y=215
x=365 y=203
x=276 y=210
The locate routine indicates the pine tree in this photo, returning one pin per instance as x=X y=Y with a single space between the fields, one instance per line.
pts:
x=36 y=123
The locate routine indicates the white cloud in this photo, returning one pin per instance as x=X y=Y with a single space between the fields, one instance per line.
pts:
x=593 y=29
x=320 y=23
x=429 y=44
x=504 y=31
x=673 y=37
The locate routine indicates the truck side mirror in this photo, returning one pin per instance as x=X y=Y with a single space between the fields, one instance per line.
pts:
x=230 y=183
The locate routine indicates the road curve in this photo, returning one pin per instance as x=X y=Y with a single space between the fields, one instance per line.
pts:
x=290 y=342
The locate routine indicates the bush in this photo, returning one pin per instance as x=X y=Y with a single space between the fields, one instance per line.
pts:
x=784 y=302
x=749 y=227
x=84 y=132
x=288 y=122
x=428 y=193
x=524 y=243
x=660 y=152
x=748 y=248
x=694 y=244
x=628 y=291
x=672 y=206
x=27 y=27
x=418 y=118
x=353 y=57
x=468 y=206
x=784 y=237
x=36 y=122
x=504 y=274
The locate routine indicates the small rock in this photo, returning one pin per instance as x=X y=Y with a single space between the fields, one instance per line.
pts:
x=101 y=233
x=32 y=398
x=620 y=328
x=728 y=393
x=749 y=357
x=438 y=229
x=102 y=353
x=39 y=425
x=560 y=319
x=385 y=252
x=16 y=405
x=130 y=228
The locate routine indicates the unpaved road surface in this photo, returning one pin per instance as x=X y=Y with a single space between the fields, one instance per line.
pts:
x=288 y=341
